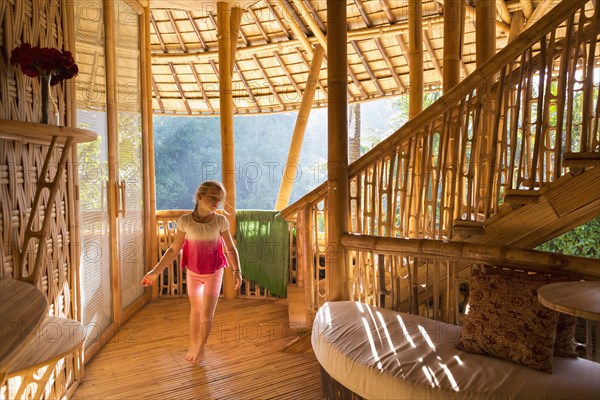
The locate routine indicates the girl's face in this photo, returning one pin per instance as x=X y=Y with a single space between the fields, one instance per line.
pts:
x=210 y=200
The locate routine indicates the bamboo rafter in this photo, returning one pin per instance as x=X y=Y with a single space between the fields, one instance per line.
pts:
x=272 y=30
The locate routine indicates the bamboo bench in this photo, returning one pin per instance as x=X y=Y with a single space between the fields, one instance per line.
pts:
x=371 y=352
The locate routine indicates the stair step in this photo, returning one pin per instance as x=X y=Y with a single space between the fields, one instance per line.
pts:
x=577 y=162
x=518 y=197
x=465 y=229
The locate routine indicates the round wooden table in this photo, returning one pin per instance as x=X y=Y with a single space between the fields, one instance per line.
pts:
x=22 y=308
x=581 y=298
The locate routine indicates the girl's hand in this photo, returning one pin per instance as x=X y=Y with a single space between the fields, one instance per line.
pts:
x=238 y=279
x=149 y=279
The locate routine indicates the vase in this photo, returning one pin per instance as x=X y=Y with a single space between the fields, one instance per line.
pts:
x=45 y=83
x=47 y=100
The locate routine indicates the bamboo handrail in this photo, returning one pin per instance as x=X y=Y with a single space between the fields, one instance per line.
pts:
x=482 y=74
x=475 y=253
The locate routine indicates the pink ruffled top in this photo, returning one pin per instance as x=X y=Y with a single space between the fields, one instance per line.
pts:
x=203 y=249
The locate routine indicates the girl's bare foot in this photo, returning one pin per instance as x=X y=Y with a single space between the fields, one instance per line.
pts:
x=191 y=354
x=199 y=356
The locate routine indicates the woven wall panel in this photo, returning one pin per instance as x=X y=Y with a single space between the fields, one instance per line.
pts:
x=20 y=166
x=38 y=22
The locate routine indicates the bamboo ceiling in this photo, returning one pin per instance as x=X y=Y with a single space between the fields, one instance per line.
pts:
x=272 y=60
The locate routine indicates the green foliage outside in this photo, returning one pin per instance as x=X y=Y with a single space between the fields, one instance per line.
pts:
x=582 y=241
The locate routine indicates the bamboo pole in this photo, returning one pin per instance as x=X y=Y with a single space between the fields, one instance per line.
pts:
x=300 y=36
x=337 y=151
x=227 y=138
x=113 y=159
x=149 y=175
x=415 y=57
x=486 y=30
x=235 y=23
x=453 y=32
x=285 y=188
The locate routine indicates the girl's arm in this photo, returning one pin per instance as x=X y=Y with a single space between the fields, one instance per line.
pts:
x=234 y=258
x=167 y=258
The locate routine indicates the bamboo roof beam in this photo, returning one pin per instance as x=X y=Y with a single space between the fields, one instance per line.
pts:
x=307 y=65
x=201 y=87
x=432 y=56
x=259 y=25
x=540 y=11
x=527 y=7
x=245 y=83
x=288 y=7
x=158 y=34
x=363 y=14
x=503 y=12
x=287 y=73
x=390 y=65
x=296 y=27
x=313 y=12
x=278 y=19
x=434 y=22
x=268 y=81
x=367 y=67
x=196 y=30
x=157 y=96
x=387 y=11
x=180 y=89
x=176 y=30
x=312 y=24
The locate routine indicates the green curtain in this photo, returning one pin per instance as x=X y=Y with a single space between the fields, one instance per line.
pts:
x=263 y=243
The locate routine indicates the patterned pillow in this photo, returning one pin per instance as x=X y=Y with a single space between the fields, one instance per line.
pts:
x=564 y=346
x=506 y=320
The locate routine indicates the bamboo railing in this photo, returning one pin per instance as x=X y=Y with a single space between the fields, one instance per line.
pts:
x=521 y=121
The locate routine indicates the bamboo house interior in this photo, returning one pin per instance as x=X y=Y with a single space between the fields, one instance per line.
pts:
x=507 y=158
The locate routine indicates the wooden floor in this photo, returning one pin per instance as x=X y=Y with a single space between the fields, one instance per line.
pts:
x=243 y=359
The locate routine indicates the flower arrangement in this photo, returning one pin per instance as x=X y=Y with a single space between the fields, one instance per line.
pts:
x=44 y=61
x=51 y=65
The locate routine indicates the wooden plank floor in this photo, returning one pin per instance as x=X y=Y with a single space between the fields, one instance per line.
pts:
x=243 y=358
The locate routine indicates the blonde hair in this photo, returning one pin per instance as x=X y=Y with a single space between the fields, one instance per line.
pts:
x=205 y=186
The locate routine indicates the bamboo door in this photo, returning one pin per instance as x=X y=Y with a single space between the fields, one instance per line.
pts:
x=130 y=161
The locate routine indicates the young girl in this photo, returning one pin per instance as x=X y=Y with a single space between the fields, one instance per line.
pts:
x=201 y=235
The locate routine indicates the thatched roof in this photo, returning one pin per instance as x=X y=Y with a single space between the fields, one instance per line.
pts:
x=272 y=60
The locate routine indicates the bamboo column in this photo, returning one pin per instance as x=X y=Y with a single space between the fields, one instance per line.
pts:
x=453 y=32
x=415 y=57
x=486 y=49
x=113 y=168
x=226 y=118
x=415 y=106
x=148 y=142
x=285 y=189
x=337 y=151
x=486 y=30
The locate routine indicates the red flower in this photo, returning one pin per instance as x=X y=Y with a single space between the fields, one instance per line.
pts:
x=37 y=61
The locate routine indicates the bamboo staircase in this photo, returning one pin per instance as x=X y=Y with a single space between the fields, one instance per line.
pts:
x=508 y=157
